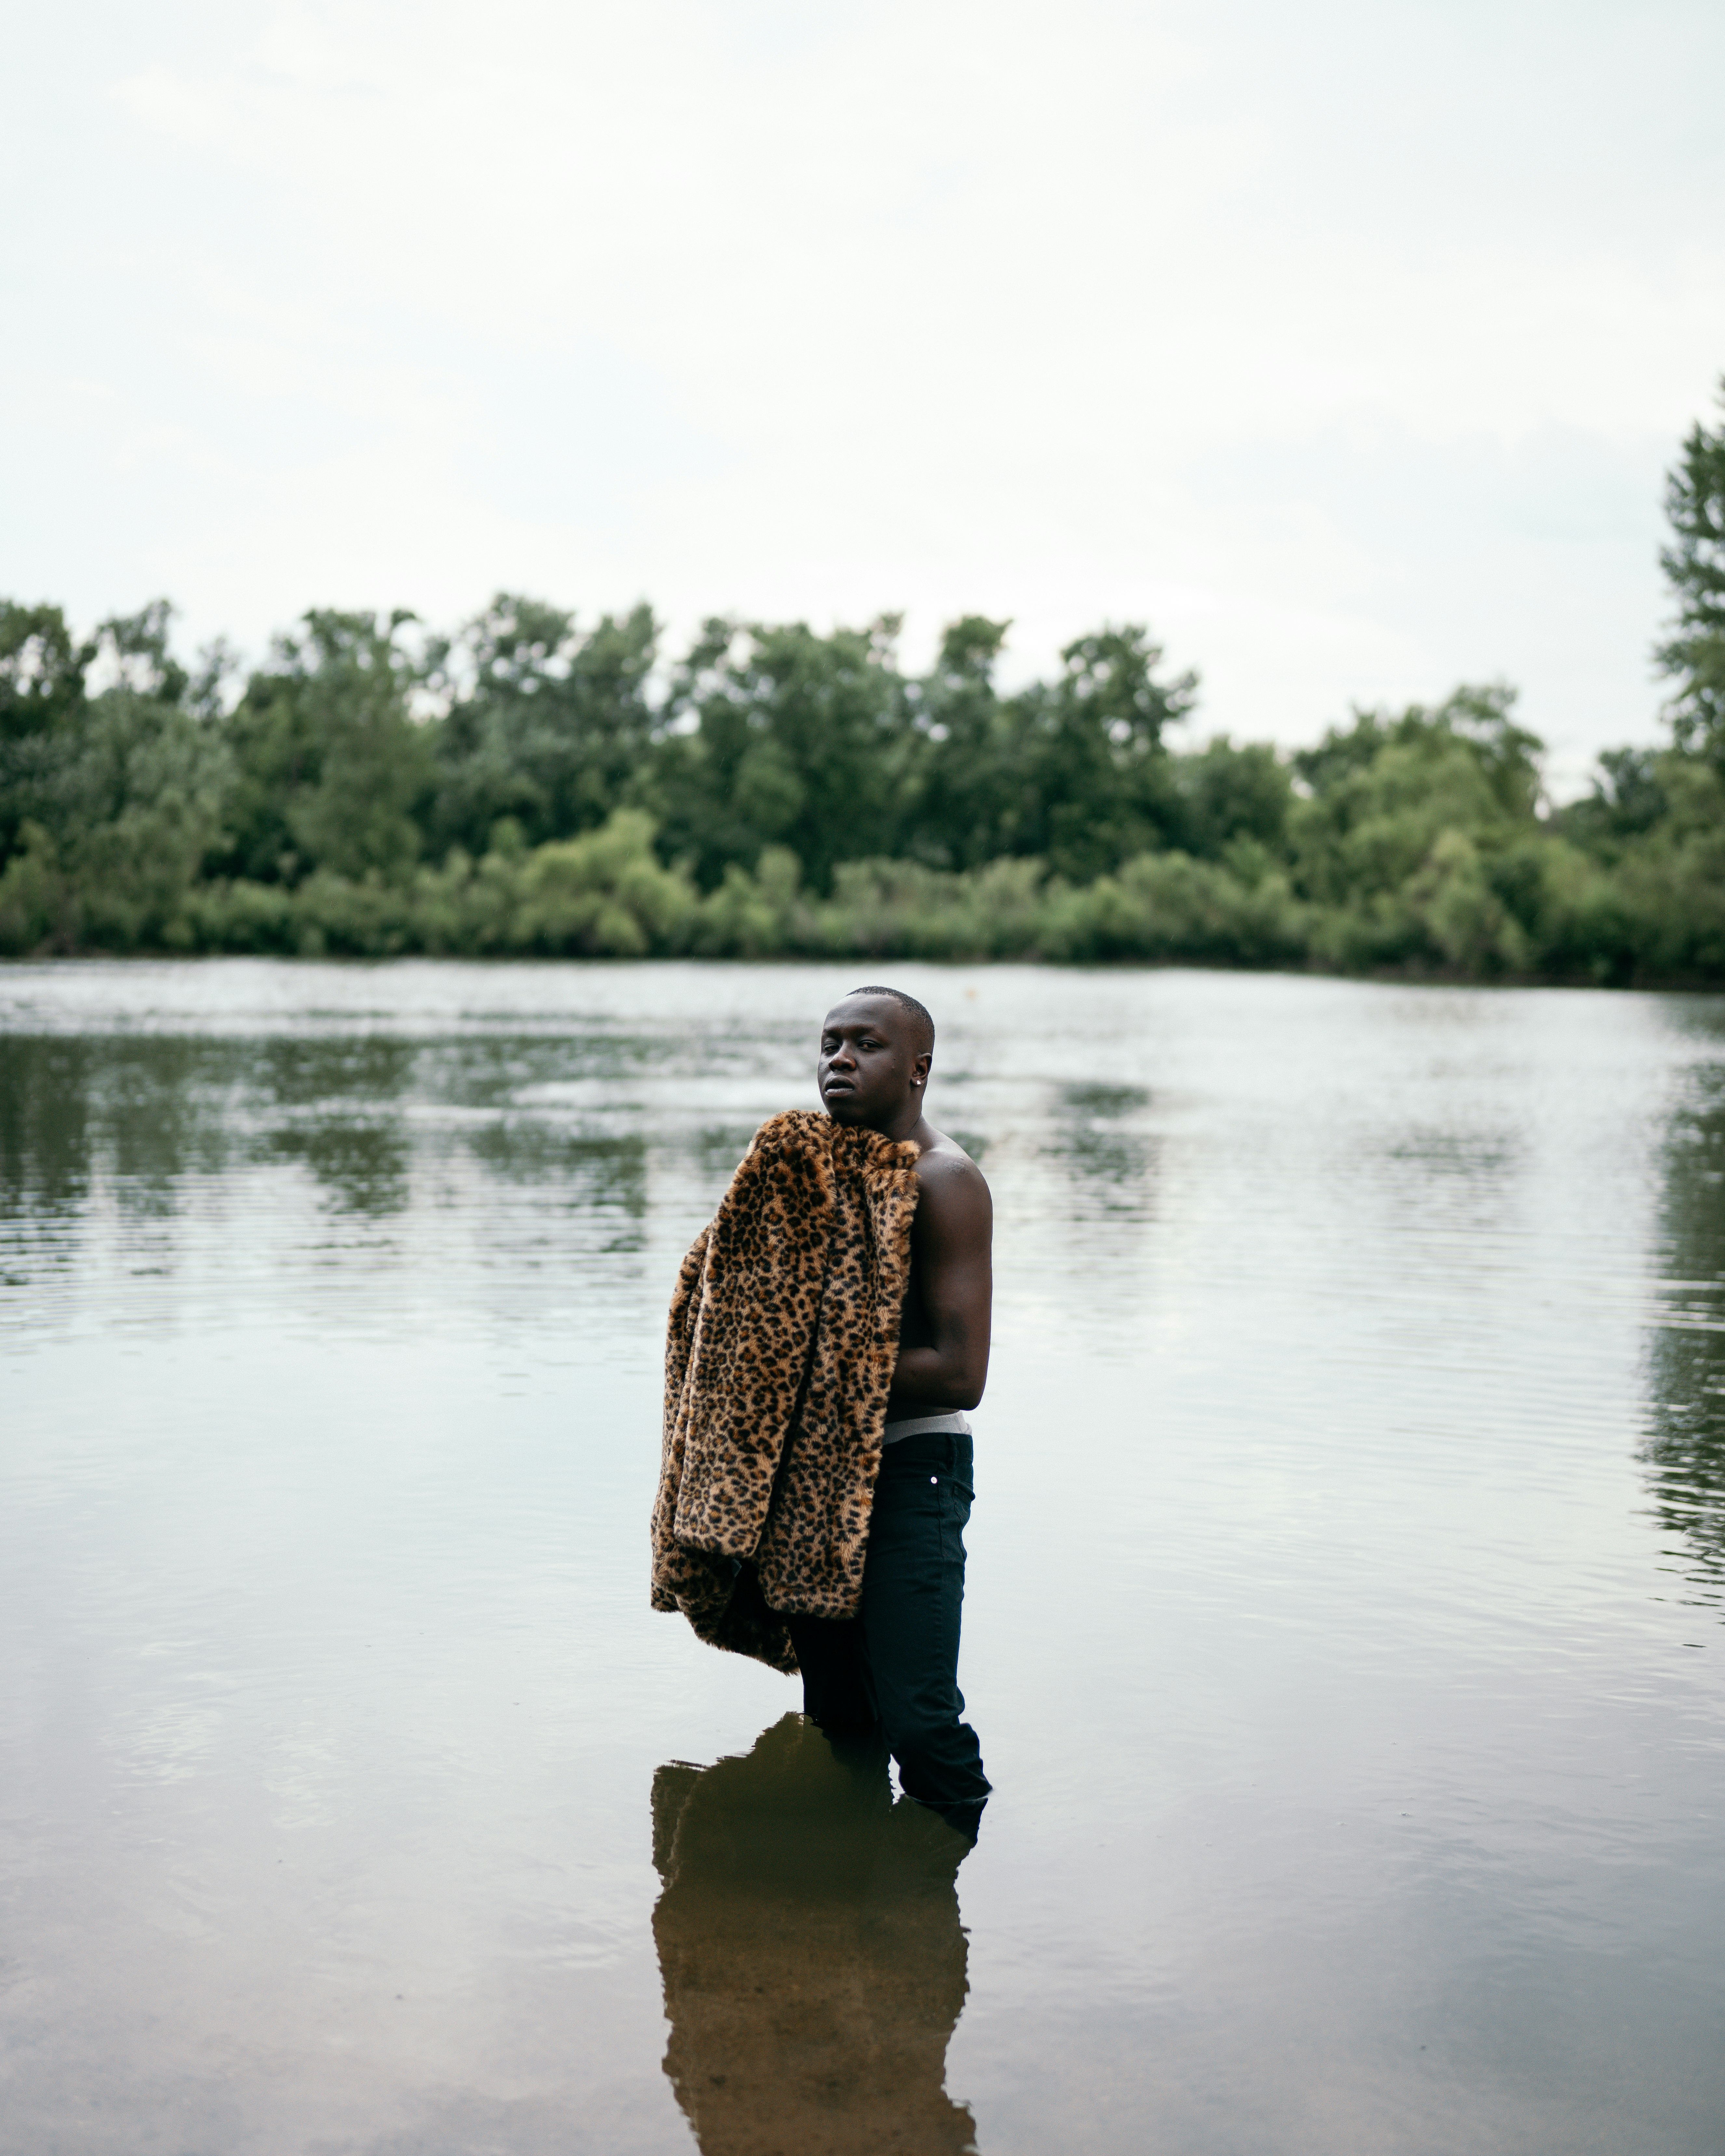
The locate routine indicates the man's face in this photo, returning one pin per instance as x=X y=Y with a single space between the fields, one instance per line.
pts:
x=869 y=1057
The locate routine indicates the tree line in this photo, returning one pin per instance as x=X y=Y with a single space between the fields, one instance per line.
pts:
x=533 y=784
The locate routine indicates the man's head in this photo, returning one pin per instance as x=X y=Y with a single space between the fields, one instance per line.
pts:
x=876 y=1050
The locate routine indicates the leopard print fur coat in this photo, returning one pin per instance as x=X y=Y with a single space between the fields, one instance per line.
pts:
x=779 y=1355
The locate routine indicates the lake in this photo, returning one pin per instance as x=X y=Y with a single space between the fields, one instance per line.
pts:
x=1344 y=1627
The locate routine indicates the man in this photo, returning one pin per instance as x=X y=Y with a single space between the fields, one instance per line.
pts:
x=895 y=1667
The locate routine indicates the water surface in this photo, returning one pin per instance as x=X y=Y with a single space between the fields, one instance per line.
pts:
x=1343 y=1629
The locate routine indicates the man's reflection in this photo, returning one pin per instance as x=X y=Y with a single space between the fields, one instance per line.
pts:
x=810 y=1949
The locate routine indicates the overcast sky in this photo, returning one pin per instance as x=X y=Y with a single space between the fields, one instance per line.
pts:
x=1346 y=343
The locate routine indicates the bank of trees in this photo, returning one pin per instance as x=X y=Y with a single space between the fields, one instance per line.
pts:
x=535 y=784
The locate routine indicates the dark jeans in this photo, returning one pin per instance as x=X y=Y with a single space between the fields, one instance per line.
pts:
x=893 y=1667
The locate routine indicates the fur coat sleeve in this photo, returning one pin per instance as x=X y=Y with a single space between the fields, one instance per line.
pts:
x=779 y=1355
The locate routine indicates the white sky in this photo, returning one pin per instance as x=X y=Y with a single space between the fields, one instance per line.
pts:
x=1347 y=344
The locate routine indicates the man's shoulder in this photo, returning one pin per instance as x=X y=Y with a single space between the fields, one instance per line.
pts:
x=948 y=1174
x=943 y=1156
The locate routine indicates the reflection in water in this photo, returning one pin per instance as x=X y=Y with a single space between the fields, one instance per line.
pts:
x=362 y=1164
x=336 y=1111
x=139 y=1120
x=310 y=1073
x=1106 y=1103
x=1112 y=1165
x=604 y=1173
x=146 y=1104
x=1686 y=1449
x=44 y=1144
x=811 y=1952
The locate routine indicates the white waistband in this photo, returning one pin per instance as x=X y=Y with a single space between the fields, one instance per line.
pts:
x=954 y=1422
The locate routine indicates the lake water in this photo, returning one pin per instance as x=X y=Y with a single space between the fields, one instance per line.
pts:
x=1344 y=1617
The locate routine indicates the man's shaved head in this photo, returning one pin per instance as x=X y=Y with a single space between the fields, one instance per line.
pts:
x=875 y=1049
x=925 y=1023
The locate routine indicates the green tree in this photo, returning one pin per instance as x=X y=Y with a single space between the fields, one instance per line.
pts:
x=968 y=780
x=1100 y=782
x=332 y=767
x=1628 y=800
x=777 y=736
x=1376 y=793
x=126 y=788
x=548 y=726
x=1233 y=799
x=1694 y=563
x=42 y=697
x=153 y=783
x=1407 y=827
x=42 y=669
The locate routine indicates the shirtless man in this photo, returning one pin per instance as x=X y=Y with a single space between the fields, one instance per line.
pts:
x=893 y=1667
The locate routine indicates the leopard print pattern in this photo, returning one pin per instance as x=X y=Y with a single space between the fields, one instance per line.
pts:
x=779 y=1354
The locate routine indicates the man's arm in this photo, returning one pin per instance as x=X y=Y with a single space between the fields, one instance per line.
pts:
x=943 y=1361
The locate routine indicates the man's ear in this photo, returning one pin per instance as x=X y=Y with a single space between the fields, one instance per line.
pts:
x=920 y=1070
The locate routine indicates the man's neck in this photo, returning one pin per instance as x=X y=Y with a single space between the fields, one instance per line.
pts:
x=909 y=1126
